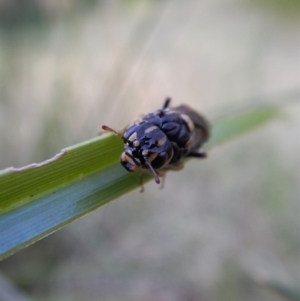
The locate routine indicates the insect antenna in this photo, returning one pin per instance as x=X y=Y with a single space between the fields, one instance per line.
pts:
x=154 y=173
x=108 y=129
x=167 y=102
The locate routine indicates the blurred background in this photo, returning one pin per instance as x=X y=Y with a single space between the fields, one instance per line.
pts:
x=220 y=227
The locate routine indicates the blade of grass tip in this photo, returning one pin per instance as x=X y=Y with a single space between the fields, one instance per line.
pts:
x=228 y=128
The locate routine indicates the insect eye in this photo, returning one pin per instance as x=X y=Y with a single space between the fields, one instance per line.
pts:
x=129 y=166
x=128 y=162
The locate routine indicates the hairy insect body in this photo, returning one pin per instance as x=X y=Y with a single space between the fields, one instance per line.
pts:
x=160 y=139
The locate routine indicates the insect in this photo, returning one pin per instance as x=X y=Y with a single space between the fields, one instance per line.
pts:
x=158 y=141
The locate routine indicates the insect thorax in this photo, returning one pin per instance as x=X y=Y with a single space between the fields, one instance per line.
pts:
x=161 y=137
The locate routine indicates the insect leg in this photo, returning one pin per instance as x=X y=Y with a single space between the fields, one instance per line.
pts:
x=167 y=102
x=153 y=171
x=141 y=182
x=200 y=154
x=163 y=176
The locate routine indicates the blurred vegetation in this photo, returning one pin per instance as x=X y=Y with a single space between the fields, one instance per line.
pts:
x=283 y=7
x=16 y=14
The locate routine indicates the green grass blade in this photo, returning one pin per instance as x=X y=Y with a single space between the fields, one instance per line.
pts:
x=40 y=198
x=234 y=126
x=21 y=185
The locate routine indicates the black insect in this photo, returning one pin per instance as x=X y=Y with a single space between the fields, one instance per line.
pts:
x=158 y=141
